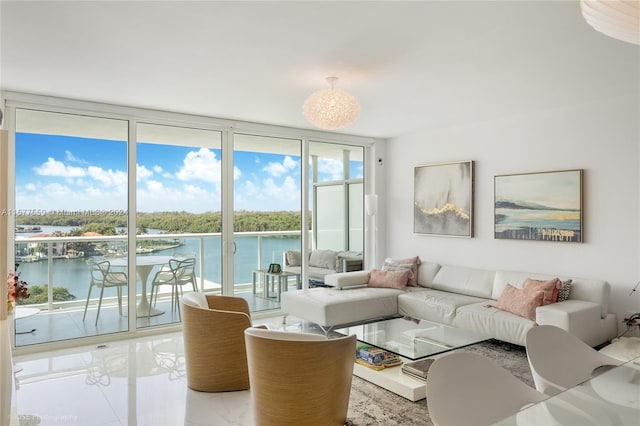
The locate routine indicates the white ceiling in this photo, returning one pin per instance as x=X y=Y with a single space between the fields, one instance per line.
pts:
x=411 y=64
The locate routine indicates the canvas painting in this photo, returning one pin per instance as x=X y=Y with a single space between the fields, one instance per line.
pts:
x=543 y=206
x=443 y=199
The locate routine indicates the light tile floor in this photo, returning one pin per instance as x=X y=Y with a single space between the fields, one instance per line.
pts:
x=137 y=381
x=66 y=324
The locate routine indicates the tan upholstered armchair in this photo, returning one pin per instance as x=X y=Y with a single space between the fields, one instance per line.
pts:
x=215 y=355
x=299 y=378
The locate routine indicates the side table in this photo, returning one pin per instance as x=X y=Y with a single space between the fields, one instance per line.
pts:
x=270 y=279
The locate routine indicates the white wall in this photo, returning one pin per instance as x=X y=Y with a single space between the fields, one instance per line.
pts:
x=602 y=138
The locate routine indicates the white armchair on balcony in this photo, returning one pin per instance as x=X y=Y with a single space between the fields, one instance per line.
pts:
x=181 y=272
x=102 y=276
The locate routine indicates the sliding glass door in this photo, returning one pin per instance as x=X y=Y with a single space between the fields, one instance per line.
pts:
x=70 y=215
x=267 y=216
x=178 y=235
x=110 y=208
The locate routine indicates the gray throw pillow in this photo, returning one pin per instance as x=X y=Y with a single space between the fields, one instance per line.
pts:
x=565 y=290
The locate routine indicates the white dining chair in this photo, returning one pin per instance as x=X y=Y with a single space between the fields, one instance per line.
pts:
x=560 y=360
x=465 y=388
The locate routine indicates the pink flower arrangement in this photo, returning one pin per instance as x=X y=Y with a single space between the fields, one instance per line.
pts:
x=17 y=289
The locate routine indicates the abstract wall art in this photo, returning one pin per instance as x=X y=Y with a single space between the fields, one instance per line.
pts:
x=443 y=199
x=544 y=206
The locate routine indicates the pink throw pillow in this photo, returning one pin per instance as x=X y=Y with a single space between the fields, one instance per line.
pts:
x=520 y=301
x=550 y=288
x=388 y=279
x=410 y=264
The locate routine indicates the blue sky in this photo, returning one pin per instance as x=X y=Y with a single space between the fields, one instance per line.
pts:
x=69 y=173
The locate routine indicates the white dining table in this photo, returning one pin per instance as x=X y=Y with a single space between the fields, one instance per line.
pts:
x=611 y=398
x=144 y=266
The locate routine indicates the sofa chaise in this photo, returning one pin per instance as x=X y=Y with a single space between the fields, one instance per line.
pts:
x=458 y=296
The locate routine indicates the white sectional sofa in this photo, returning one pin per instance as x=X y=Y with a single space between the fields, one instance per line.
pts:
x=458 y=296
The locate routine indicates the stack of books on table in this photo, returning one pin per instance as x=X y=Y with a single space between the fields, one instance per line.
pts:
x=418 y=369
x=376 y=358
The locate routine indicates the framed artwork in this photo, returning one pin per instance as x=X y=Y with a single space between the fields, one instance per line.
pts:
x=443 y=199
x=544 y=206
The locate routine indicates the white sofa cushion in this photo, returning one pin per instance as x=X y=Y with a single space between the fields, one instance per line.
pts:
x=426 y=272
x=193 y=298
x=493 y=322
x=347 y=279
x=462 y=280
x=329 y=306
x=596 y=291
x=323 y=259
x=580 y=318
x=433 y=305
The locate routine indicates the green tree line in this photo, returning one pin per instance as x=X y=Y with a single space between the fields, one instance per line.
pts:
x=173 y=222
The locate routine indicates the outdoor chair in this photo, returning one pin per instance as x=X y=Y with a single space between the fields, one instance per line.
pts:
x=180 y=272
x=102 y=276
x=299 y=378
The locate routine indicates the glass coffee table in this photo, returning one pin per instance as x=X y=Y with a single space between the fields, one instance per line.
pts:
x=412 y=340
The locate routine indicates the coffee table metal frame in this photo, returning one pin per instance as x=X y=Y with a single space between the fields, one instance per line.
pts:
x=412 y=340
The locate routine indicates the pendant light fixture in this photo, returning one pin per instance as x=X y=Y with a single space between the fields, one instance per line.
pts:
x=619 y=19
x=331 y=108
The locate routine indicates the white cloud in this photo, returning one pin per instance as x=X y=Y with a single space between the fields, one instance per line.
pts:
x=142 y=172
x=107 y=177
x=70 y=157
x=31 y=187
x=201 y=165
x=157 y=169
x=288 y=190
x=278 y=169
x=155 y=186
x=333 y=168
x=52 y=167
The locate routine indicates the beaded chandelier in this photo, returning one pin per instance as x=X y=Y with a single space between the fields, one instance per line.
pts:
x=331 y=108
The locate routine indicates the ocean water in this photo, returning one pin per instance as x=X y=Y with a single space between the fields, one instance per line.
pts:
x=548 y=219
x=74 y=273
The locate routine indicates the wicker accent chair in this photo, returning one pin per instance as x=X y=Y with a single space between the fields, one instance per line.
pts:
x=299 y=378
x=214 y=343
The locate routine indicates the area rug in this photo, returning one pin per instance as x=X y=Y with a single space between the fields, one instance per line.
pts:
x=371 y=405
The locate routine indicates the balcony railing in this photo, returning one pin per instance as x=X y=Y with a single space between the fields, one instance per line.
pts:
x=253 y=250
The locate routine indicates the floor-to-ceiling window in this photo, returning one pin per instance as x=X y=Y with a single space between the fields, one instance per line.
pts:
x=190 y=181
x=70 y=216
x=178 y=220
x=267 y=213
x=336 y=176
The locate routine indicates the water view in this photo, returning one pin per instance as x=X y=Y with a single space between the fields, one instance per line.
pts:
x=73 y=273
